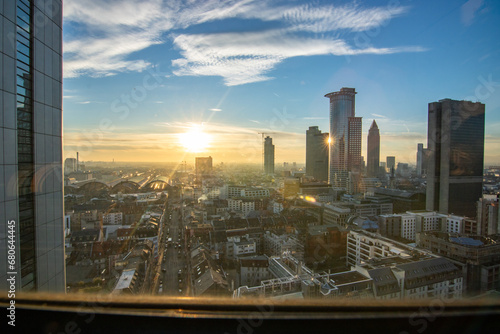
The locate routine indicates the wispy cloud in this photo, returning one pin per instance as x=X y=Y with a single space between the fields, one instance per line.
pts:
x=469 y=10
x=242 y=58
x=349 y=17
x=112 y=32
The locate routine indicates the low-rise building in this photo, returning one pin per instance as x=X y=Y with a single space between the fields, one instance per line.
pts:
x=112 y=218
x=253 y=269
x=277 y=245
x=478 y=257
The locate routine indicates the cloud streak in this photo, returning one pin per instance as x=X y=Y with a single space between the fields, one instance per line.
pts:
x=115 y=31
x=242 y=58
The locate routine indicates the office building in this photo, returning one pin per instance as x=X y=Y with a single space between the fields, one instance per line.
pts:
x=477 y=257
x=422 y=160
x=317 y=154
x=420 y=157
x=400 y=271
x=345 y=134
x=31 y=180
x=455 y=140
x=268 y=156
x=373 y=151
x=203 y=167
x=390 y=163
x=488 y=215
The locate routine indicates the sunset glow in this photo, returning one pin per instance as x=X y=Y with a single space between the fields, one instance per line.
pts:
x=195 y=140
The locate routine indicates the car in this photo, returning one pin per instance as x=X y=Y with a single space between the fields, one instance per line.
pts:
x=164 y=270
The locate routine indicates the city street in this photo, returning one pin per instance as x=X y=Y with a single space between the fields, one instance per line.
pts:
x=173 y=259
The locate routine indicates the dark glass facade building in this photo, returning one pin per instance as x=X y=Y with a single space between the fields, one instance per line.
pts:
x=31 y=186
x=455 y=143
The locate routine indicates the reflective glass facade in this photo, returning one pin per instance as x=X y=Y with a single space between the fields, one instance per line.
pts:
x=24 y=88
x=345 y=148
x=31 y=187
x=455 y=142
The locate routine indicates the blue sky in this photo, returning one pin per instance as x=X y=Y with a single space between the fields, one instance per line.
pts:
x=138 y=74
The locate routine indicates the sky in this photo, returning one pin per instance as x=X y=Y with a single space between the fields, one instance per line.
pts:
x=169 y=80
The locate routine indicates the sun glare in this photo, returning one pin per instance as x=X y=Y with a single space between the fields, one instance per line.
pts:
x=195 y=140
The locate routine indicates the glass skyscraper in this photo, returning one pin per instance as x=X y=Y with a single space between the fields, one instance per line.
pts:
x=31 y=183
x=268 y=156
x=345 y=134
x=455 y=143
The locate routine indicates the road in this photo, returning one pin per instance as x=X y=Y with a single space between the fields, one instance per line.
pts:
x=174 y=259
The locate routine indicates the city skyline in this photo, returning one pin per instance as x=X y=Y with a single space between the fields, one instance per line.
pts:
x=135 y=101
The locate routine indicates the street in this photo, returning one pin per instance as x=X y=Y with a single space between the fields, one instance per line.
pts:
x=174 y=258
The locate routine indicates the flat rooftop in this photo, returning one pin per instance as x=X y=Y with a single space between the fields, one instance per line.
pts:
x=348 y=277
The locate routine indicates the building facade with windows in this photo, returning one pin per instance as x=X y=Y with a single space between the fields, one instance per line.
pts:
x=345 y=134
x=455 y=140
x=31 y=171
x=317 y=154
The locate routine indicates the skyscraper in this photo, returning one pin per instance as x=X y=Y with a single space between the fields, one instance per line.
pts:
x=345 y=134
x=373 y=151
x=268 y=156
x=455 y=140
x=317 y=154
x=420 y=158
x=391 y=163
x=31 y=181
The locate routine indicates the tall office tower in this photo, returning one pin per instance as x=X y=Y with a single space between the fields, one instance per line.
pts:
x=317 y=154
x=268 y=156
x=455 y=140
x=373 y=151
x=391 y=163
x=203 y=167
x=31 y=181
x=345 y=134
x=420 y=158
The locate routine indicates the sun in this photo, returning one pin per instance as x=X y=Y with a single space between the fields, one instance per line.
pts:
x=195 y=140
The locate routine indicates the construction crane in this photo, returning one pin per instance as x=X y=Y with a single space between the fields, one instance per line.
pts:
x=263 y=146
